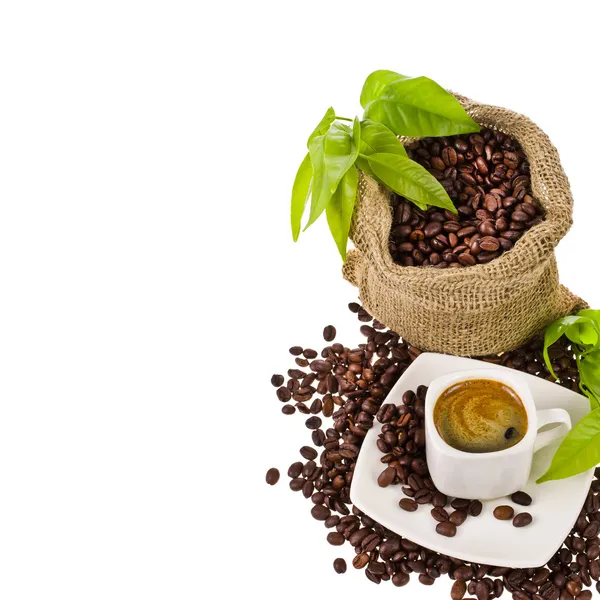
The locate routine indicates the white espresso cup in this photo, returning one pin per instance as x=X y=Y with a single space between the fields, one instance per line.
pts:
x=488 y=475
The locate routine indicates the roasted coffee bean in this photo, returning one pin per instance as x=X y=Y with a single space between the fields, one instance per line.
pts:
x=288 y=409
x=329 y=333
x=521 y=520
x=320 y=512
x=296 y=350
x=295 y=470
x=297 y=484
x=313 y=422
x=458 y=591
x=475 y=507
x=439 y=514
x=504 y=512
x=408 y=504
x=339 y=565
x=521 y=498
x=446 y=529
x=272 y=476
x=284 y=394
x=308 y=453
x=277 y=380
x=400 y=579
x=458 y=517
x=335 y=538
x=387 y=477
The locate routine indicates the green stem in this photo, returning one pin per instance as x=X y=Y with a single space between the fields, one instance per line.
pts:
x=344 y=119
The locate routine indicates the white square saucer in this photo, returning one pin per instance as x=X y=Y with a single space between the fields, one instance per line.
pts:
x=482 y=539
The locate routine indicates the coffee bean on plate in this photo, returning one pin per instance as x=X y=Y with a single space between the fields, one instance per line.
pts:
x=522 y=519
x=504 y=512
x=446 y=529
x=521 y=498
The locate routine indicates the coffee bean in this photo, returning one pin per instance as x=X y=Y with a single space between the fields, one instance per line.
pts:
x=360 y=560
x=458 y=517
x=277 y=380
x=387 y=477
x=521 y=498
x=287 y=409
x=573 y=587
x=460 y=503
x=297 y=484
x=458 y=591
x=320 y=512
x=439 y=514
x=308 y=453
x=504 y=512
x=272 y=476
x=329 y=333
x=446 y=529
x=475 y=508
x=284 y=394
x=313 y=422
x=296 y=350
x=335 y=538
x=522 y=519
x=339 y=565
x=408 y=504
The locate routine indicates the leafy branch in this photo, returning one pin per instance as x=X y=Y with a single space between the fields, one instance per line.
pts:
x=580 y=450
x=393 y=105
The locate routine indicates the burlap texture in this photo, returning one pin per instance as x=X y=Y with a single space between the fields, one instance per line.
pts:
x=479 y=310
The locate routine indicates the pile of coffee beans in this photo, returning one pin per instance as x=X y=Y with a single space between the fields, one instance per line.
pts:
x=486 y=175
x=353 y=384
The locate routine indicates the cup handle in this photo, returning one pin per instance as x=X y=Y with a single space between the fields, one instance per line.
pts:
x=545 y=417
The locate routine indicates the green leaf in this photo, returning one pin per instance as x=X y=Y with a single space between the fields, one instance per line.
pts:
x=340 y=208
x=300 y=193
x=323 y=126
x=363 y=165
x=417 y=107
x=409 y=179
x=579 y=451
x=331 y=155
x=376 y=137
x=577 y=328
x=376 y=83
x=589 y=375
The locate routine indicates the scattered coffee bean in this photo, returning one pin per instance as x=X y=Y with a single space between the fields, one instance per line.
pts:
x=329 y=333
x=272 y=476
x=335 y=538
x=320 y=512
x=387 y=477
x=308 y=453
x=295 y=470
x=447 y=529
x=504 y=512
x=339 y=565
x=277 y=380
x=288 y=409
x=458 y=591
x=314 y=422
x=475 y=508
x=522 y=519
x=408 y=504
x=458 y=517
x=296 y=350
x=521 y=498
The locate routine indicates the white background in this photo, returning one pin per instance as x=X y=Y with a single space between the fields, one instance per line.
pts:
x=149 y=286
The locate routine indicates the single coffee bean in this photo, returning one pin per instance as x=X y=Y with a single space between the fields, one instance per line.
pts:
x=295 y=470
x=288 y=409
x=475 y=508
x=361 y=560
x=458 y=591
x=277 y=380
x=297 y=484
x=408 y=504
x=522 y=519
x=284 y=394
x=308 y=453
x=329 y=333
x=446 y=529
x=313 y=422
x=439 y=514
x=320 y=512
x=296 y=350
x=339 y=565
x=521 y=498
x=504 y=512
x=458 y=517
x=335 y=538
x=573 y=587
x=387 y=477
x=272 y=476
x=400 y=579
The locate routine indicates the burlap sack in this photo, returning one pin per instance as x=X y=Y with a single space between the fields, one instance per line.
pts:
x=479 y=310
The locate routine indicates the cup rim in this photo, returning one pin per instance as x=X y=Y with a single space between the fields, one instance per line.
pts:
x=518 y=384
